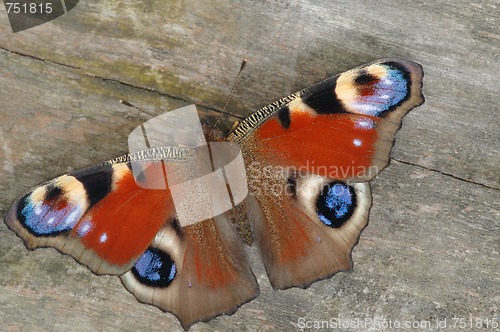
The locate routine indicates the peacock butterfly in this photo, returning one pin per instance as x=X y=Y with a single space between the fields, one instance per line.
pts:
x=317 y=149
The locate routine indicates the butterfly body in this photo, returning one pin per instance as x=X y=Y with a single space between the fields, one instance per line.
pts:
x=308 y=159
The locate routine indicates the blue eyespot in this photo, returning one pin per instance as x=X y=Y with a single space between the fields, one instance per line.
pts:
x=336 y=204
x=155 y=268
x=385 y=92
x=48 y=217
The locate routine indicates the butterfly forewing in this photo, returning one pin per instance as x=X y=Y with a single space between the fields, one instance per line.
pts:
x=99 y=215
x=341 y=128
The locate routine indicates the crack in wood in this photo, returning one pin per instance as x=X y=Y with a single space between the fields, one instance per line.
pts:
x=114 y=80
x=445 y=174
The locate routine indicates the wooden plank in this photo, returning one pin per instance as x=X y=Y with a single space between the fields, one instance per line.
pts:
x=432 y=247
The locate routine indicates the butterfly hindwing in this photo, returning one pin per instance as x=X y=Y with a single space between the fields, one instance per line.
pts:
x=196 y=272
x=306 y=232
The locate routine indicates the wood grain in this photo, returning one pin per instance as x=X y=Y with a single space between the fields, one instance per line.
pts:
x=431 y=249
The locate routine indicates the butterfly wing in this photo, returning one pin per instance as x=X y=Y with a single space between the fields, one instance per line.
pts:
x=114 y=223
x=97 y=215
x=196 y=272
x=341 y=128
x=304 y=148
x=307 y=234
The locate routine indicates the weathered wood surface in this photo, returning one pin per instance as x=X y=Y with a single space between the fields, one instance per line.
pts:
x=431 y=249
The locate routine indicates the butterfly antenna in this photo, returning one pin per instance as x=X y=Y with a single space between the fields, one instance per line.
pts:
x=243 y=64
